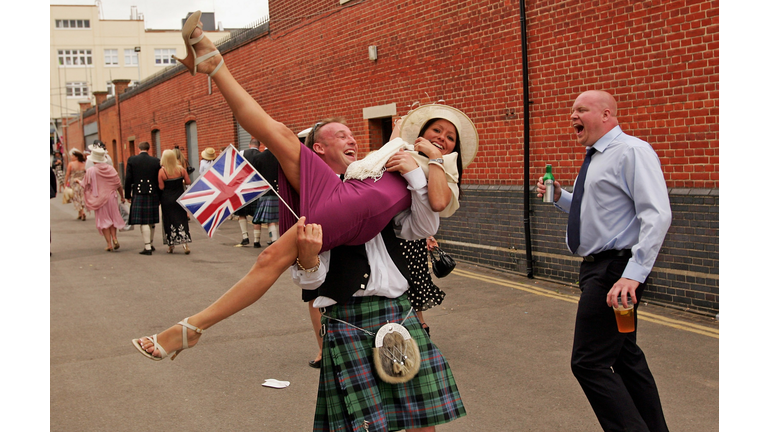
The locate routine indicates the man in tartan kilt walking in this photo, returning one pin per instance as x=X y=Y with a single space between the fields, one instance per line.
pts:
x=142 y=191
x=359 y=289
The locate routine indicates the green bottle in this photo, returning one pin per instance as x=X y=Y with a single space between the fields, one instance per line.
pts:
x=549 y=184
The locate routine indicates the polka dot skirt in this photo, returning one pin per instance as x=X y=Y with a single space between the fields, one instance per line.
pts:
x=423 y=294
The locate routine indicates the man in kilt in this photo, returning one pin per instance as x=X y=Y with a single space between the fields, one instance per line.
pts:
x=247 y=210
x=142 y=191
x=267 y=206
x=358 y=289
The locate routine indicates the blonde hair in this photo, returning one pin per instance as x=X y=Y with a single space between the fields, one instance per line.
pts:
x=180 y=158
x=171 y=164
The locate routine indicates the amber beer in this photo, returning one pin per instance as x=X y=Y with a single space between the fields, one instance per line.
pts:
x=625 y=317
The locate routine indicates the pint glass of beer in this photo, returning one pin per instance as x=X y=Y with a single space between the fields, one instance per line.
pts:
x=625 y=316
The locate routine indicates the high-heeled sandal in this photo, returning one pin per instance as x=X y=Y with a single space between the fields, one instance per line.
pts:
x=170 y=249
x=115 y=244
x=186 y=249
x=184 y=345
x=186 y=33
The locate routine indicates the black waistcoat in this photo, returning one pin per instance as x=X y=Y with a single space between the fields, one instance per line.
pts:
x=349 y=269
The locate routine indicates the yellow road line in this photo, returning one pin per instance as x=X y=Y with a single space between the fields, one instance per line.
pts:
x=645 y=316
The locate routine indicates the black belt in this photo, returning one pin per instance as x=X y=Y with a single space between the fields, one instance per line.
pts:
x=612 y=253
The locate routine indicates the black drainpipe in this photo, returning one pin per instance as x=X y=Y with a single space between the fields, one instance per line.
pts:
x=526 y=148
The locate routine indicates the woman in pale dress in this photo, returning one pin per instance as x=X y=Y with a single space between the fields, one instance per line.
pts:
x=76 y=172
x=102 y=187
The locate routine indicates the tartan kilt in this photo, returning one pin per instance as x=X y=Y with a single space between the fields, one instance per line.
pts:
x=267 y=210
x=145 y=210
x=350 y=391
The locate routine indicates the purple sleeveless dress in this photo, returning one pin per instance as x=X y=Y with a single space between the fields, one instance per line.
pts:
x=352 y=212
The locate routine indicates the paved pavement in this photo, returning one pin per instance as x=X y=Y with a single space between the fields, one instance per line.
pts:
x=506 y=337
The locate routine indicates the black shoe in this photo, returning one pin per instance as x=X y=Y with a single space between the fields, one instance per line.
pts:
x=153 y=249
x=315 y=364
x=426 y=328
x=146 y=252
x=257 y=245
x=245 y=242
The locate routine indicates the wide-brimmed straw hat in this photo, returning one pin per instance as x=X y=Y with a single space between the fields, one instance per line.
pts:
x=98 y=155
x=416 y=119
x=208 y=154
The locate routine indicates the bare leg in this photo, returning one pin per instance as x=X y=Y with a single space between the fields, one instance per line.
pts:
x=108 y=238
x=113 y=235
x=270 y=264
x=314 y=315
x=420 y=314
x=282 y=142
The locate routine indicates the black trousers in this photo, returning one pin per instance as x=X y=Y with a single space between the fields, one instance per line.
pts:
x=609 y=365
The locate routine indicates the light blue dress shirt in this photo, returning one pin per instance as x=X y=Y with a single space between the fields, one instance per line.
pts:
x=625 y=203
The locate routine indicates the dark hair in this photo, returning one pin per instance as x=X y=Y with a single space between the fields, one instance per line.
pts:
x=456 y=148
x=310 y=140
x=144 y=145
x=79 y=156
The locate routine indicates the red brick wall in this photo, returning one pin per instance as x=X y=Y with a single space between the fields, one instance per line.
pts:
x=659 y=59
x=108 y=131
x=74 y=134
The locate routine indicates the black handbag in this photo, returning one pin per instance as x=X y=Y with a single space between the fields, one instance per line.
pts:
x=443 y=264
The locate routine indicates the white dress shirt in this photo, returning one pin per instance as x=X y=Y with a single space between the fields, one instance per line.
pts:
x=385 y=279
x=625 y=203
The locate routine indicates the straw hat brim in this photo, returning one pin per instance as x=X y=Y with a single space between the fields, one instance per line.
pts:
x=208 y=155
x=415 y=120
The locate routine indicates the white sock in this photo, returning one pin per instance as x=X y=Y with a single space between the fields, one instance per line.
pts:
x=146 y=235
x=273 y=233
x=257 y=233
x=243 y=226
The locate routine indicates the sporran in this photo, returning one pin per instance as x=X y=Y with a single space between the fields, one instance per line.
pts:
x=396 y=355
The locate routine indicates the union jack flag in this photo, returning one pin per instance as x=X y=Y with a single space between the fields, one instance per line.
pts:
x=229 y=184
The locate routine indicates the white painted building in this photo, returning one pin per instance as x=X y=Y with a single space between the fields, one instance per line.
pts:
x=88 y=52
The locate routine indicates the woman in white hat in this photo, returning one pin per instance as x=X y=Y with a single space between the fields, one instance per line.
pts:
x=208 y=155
x=75 y=172
x=442 y=129
x=102 y=188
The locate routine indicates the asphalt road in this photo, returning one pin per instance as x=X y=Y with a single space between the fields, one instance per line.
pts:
x=506 y=337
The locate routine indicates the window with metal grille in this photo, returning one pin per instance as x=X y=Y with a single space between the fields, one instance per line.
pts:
x=73 y=23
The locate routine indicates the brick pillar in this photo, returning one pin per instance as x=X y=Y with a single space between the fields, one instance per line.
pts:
x=84 y=105
x=101 y=96
x=120 y=85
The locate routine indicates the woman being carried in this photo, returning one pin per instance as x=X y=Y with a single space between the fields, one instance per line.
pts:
x=315 y=189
